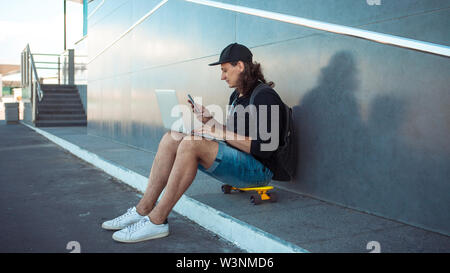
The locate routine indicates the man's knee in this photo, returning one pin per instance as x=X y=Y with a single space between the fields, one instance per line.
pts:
x=189 y=144
x=204 y=150
x=171 y=139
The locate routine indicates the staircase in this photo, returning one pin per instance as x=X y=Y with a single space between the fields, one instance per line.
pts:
x=60 y=106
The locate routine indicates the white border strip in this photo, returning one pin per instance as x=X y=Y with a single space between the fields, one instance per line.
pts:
x=243 y=235
x=129 y=29
x=339 y=29
x=96 y=8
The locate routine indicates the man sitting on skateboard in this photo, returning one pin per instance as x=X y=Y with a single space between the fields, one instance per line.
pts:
x=244 y=159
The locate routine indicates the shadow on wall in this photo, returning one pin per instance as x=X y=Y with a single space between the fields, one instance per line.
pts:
x=366 y=165
x=328 y=123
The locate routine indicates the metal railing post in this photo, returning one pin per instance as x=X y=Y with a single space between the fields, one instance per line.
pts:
x=59 y=69
x=31 y=88
x=27 y=67
x=21 y=69
x=71 y=68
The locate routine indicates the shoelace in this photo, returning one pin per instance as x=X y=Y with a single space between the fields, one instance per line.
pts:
x=137 y=225
x=128 y=213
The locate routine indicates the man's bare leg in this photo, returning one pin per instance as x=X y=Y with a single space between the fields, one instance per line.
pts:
x=190 y=153
x=160 y=171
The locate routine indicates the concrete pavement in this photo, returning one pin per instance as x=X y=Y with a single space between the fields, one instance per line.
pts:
x=50 y=198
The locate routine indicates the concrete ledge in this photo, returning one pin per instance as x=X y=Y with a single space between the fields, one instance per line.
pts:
x=243 y=235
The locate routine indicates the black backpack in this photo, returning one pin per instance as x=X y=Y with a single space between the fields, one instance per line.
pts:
x=285 y=156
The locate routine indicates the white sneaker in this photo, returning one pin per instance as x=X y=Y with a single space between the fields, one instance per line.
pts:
x=129 y=218
x=141 y=231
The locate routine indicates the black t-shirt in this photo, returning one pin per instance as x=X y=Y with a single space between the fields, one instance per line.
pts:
x=264 y=140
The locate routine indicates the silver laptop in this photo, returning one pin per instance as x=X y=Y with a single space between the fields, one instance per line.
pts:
x=175 y=116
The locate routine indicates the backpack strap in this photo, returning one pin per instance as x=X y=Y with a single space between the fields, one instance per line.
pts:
x=255 y=92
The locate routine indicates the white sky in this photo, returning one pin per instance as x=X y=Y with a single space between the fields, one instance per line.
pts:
x=39 y=23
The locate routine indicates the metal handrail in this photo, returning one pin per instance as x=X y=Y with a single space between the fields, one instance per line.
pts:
x=79 y=41
x=54 y=65
x=45 y=54
x=334 y=28
x=46 y=62
x=50 y=68
x=35 y=63
x=31 y=80
x=33 y=67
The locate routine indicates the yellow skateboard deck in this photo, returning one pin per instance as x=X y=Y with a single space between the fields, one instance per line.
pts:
x=254 y=198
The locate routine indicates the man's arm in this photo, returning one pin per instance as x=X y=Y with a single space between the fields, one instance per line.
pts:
x=242 y=143
x=216 y=129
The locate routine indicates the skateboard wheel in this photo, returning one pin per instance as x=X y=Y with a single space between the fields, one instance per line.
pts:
x=273 y=196
x=255 y=199
x=226 y=189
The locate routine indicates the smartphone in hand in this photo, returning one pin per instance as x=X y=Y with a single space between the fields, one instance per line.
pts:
x=194 y=104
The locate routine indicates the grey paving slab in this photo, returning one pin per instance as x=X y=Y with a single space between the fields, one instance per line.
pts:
x=48 y=197
x=298 y=219
x=312 y=224
x=135 y=160
x=68 y=130
x=398 y=239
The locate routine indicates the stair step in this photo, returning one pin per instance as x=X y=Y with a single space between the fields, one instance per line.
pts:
x=54 y=92
x=59 y=106
x=73 y=100
x=61 y=95
x=61 y=112
x=59 y=123
x=62 y=117
x=78 y=110
x=57 y=86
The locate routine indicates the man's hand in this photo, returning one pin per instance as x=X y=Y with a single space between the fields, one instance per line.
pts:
x=204 y=115
x=212 y=131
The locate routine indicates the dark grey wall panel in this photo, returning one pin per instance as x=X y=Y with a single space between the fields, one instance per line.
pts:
x=373 y=119
x=254 y=31
x=180 y=32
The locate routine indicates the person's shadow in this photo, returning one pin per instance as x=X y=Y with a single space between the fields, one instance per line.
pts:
x=369 y=165
x=386 y=155
x=329 y=128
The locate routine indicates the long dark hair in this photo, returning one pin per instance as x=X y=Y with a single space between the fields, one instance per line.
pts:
x=250 y=76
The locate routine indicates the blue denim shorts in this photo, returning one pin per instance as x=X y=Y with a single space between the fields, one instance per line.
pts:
x=238 y=169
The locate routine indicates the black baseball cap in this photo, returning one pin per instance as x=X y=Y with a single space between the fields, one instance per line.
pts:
x=233 y=53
